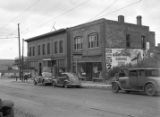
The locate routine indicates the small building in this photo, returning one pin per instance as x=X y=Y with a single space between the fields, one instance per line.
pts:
x=92 y=48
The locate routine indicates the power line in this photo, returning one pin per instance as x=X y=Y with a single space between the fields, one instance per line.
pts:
x=65 y=12
x=128 y=5
x=8 y=38
x=104 y=10
x=29 y=7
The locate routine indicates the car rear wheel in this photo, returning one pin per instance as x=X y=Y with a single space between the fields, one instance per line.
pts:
x=150 y=89
x=115 y=88
x=35 y=83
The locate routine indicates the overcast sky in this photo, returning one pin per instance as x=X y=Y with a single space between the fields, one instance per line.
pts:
x=41 y=16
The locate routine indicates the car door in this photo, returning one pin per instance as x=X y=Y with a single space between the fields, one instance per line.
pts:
x=133 y=77
x=141 y=79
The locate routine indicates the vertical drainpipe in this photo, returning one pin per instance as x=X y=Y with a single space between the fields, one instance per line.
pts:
x=103 y=43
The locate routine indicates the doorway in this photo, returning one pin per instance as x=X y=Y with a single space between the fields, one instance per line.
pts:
x=40 y=69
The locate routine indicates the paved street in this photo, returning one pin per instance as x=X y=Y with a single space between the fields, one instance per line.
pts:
x=40 y=101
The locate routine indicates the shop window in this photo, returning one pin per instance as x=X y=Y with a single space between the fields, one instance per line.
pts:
x=61 y=46
x=93 y=40
x=78 y=41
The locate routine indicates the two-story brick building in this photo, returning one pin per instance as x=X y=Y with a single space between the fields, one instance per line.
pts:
x=49 y=52
x=93 y=47
x=101 y=44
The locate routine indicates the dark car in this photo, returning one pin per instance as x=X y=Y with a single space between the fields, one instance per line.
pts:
x=6 y=108
x=45 y=79
x=67 y=80
x=138 y=79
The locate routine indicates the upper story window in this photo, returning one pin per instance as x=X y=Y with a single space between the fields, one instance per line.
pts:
x=61 y=46
x=29 y=53
x=78 y=41
x=55 y=47
x=39 y=50
x=128 y=45
x=33 y=49
x=48 y=48
x=93 y=40
x=43 y=49
x=143 y=42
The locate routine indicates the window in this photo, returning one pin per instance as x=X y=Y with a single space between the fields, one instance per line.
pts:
x=143 y=42
x=133 y=73
x=61 y=46
x=33 y=51
x=78 y=41
x=29 y=53
x=93 y=40
x=127 y=41
x=55 y=47
x=48 y=48
x=39 y=50
x=43 y=49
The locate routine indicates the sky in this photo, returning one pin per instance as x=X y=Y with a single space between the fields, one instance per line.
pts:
x=41 y=16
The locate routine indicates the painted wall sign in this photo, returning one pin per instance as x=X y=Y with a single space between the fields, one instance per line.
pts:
x=119 y=56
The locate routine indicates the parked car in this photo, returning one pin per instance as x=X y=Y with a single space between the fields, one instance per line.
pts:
x=6 y=108
x=45 y=79
x=138 y=79
x=67 y=80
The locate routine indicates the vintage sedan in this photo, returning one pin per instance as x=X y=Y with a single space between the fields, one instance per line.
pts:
x=138 y=79
x=67 y=80
x=45 y=79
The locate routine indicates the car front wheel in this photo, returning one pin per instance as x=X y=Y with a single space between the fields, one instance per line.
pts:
x=115 y=88
x=150 y=89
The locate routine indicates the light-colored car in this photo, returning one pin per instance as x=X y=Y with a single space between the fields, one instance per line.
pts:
x=138 y=79
x=46 y=78
x=67 y=80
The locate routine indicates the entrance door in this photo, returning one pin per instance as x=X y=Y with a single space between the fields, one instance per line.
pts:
x=89 y=67
x=40 y=69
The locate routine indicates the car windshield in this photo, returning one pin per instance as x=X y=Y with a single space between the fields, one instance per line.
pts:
x=152 y=73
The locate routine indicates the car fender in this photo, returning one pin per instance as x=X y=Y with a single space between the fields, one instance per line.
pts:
x=152 y=82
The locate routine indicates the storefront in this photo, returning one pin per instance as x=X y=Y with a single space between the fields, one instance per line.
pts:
x=87 y=68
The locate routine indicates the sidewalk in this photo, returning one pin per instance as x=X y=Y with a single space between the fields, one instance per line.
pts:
x=84 y=84
x=99 y=85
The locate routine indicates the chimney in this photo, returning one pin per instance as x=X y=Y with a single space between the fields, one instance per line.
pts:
x=139 y=20
x=121 y=19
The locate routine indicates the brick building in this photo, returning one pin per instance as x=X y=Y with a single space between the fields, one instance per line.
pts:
x=49 y=52
x=94 y=47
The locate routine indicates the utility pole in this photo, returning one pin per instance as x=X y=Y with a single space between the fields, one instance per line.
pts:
x=23 y=59
x=19 y=50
